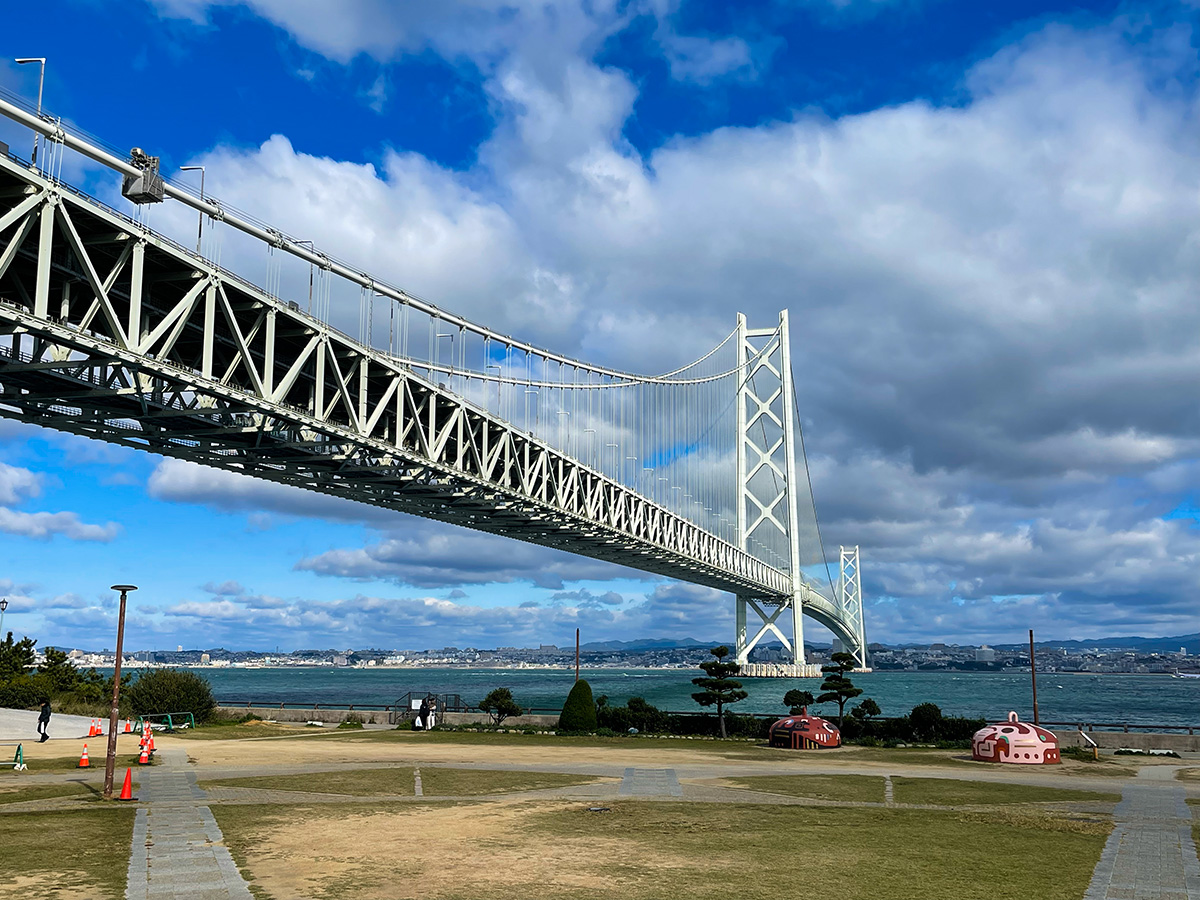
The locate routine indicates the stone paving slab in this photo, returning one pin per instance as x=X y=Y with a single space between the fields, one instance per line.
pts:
x=177 y=849
x=1150 y=854
x=650 y=783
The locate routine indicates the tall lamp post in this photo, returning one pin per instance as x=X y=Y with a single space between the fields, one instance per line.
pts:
x=41 y=84
x=110 y=762
x=3 y=607
x=200 y=227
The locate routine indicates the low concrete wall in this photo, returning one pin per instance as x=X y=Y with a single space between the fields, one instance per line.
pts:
x=377 y=716
x=1134 y=740
x=531 y=721
x=332 y=716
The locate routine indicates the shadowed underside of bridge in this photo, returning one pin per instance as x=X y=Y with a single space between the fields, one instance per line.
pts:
x=111 y=330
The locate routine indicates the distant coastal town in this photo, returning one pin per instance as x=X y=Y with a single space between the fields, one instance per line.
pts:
x=688 y=654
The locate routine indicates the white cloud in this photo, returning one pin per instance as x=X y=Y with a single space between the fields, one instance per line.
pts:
x=993 y=301
x=45 y=525
x=17 y=485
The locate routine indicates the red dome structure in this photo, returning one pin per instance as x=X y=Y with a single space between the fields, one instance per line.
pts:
x=805 y=732
x=1015 y=742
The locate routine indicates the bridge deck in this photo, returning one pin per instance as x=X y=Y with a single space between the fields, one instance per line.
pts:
x=113 y=331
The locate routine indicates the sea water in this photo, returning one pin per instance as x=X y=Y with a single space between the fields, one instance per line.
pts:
x=1133 y=699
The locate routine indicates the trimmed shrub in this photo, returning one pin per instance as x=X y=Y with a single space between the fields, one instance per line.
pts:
x=171 y=691
x=579 y=712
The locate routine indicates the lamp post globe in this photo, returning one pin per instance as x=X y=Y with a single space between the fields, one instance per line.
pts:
x=110 y=761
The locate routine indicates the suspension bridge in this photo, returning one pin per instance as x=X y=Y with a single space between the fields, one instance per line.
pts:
x=110 y=328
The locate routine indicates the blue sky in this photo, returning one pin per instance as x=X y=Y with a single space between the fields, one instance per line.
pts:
x=982 y=216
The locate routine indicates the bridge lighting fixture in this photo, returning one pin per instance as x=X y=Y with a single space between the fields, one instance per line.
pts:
x=41 y=83
x=200 y=227
x=110 y=760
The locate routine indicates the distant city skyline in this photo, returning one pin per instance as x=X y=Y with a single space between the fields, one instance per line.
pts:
x=982 y=217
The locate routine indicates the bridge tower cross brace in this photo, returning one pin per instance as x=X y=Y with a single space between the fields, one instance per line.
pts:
x=766 y=442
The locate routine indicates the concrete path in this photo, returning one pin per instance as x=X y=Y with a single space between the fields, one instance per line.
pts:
x=21 y=725
x=177 y=847
x=1150 y=855
x=650 y=783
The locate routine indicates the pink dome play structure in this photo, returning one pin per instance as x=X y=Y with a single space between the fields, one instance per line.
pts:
x=1015 y=742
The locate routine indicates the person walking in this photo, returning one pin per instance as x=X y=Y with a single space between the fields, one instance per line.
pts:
x=44 y=721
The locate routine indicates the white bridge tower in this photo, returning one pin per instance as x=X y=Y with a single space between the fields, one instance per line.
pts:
x=768 y=511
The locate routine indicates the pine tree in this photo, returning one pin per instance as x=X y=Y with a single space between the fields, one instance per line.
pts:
x=718 y=687
x=837 y=688
x=797 y=701
x=499 y=705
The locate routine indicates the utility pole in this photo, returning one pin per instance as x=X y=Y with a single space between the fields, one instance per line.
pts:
x=110 y=761
x=1033 y=675
x=576 y=654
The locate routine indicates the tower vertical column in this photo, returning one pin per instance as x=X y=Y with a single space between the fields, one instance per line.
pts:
x=740 y=651
x=789 y=441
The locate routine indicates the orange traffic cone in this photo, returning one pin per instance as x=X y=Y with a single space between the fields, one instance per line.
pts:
x=151 y=744
x=92 y=728
x=127 y=787
x=84 y=762
x=128 y=727
x=144 y=759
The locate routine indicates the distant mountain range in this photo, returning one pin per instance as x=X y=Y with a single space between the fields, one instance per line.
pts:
x=1190 y=642
x=643 y=644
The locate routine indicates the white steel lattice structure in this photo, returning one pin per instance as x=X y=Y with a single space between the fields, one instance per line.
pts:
x=111 y=330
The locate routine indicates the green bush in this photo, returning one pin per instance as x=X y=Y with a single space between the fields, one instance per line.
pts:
x=351 y=721
x=171 y=691
x=579 y=712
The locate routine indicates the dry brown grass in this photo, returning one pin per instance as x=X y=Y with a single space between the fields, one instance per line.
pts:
x=650 y=850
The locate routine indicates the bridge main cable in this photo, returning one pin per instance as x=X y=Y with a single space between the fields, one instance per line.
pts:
x=53 y=130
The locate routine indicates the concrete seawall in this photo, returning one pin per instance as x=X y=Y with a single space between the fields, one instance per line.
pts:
x=374 y=716
x=1133 y=740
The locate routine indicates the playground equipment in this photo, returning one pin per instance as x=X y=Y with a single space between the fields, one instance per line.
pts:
x=1015 y=742
x=805 y=732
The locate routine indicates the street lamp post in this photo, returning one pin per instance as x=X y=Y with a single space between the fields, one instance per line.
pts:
x=200 y=227
x=110 y=761
x=41 y=84
x=3 y=607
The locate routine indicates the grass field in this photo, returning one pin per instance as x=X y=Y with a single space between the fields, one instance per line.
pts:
x=59 y=765
x=649 y=850
x=948 y=792
x=853 y=788
x=61 y=855
x=398 y=780
x=19 y=793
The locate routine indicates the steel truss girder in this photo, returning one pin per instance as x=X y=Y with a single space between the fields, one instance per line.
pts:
x=136 y=340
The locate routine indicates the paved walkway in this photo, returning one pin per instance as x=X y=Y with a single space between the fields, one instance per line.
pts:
x=177 y=847
x=650 y=783
x=21 y=725
x=1150 y=855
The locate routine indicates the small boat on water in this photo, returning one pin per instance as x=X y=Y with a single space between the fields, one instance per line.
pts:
x=1178 y=674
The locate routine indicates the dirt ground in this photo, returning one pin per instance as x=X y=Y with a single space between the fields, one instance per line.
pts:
x=427 y=846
